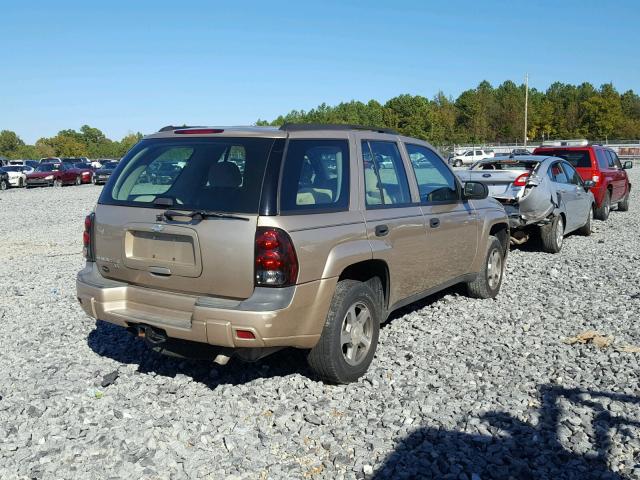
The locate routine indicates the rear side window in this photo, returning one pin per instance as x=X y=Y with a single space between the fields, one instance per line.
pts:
x=435 y=181
x=218 y=174
x=613 y=160
x=557 y=174
x=572 y=174
x=577 y=158
x=602 y=158
x=385 y=179
x=315 y=176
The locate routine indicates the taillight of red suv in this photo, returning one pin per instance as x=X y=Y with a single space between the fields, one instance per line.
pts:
x=276 y=263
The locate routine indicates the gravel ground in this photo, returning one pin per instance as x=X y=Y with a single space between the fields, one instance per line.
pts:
x=460 y=388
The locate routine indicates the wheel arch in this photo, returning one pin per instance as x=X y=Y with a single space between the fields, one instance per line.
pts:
x=368 y=270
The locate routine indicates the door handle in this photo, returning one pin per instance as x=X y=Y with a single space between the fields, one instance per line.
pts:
x=381 y=230
x=434 y=222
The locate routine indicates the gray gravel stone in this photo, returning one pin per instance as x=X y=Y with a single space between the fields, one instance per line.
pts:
x=459 y=388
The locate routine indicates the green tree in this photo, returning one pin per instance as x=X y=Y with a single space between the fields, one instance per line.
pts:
x=10 y=142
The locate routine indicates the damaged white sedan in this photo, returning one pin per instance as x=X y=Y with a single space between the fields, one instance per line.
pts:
x=540 y=194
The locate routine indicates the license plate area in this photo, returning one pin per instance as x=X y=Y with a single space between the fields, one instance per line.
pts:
x=175 y=250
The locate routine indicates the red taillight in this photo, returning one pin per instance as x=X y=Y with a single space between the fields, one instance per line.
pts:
x=521 y=181
x=87 y=247
x=276 y=260
x=198 y=131
x=245 y=334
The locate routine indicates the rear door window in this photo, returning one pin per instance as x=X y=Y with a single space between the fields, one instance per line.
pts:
x=436 y=182
x=613 y=160
x=572 y=174
x=218 y=174
x=385 y=179
x=602 y=158
x=557 y=174
x=315 y=176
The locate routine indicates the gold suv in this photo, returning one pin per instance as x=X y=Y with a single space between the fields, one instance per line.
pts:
x=240 y=241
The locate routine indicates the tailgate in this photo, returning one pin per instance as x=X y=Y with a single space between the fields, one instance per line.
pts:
x=211 y=257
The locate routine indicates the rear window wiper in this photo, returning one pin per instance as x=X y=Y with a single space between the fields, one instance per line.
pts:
x=201 y=215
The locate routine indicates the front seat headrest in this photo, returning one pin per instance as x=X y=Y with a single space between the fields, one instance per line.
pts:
x=225 y=175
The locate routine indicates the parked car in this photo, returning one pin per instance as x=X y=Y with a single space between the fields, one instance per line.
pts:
x=48 y=174
x=27 y=163
x=520 y=151
x=599 y=164
x=102 y=174
x=286 y=252
x=83 y=171
x=538 y=192
x=4 y=179
x=17 y=177
x=470 y=156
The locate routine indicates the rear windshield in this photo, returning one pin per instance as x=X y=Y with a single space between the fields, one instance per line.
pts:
x=219 y=174
x=504 y=165
x=48 y=167
x=577 y=158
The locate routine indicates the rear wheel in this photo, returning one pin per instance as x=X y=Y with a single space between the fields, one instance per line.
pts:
x=487 y=283
x=623 y=205
x=350 y=334
x=602 y=212
x=585 y=230
x=552 y=235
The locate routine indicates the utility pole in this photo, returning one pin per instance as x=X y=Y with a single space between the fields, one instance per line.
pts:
x=526 y=106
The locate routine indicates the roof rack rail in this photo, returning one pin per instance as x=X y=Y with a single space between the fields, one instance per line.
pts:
x=169 y=128
x=301 y=127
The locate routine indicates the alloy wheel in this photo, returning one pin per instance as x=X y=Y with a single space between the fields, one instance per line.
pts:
x=494 y=269
x=356 y=334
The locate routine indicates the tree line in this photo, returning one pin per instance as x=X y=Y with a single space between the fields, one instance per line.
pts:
x=88 y=142
x=480 y=115
x=488 y=115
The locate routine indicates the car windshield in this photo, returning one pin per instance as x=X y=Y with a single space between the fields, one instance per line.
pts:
x=222 y=174
x=80 y=165
x=48 y=167
x=110 y=165
x=577 y=158
x=12 y=169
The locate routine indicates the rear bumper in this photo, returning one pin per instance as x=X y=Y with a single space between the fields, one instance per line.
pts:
x=291 y=317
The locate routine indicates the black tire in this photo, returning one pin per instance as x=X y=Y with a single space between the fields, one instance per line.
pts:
x=3 y=185
x=58 y=182
x=94 y=181
x=78 y=180
x=487 y=283
x=21 y=183
x=552 y=235
x=457 y=163
x=586 y=230
x=328 y=358
x=623 y=205
x=602 y=212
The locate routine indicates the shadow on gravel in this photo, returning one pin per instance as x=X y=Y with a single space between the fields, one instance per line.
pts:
x=516 y=449
x=114 y=342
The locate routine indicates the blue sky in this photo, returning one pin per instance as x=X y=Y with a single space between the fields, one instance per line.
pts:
x=138 y=65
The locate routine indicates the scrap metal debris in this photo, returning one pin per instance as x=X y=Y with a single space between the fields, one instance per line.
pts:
x=591 y=336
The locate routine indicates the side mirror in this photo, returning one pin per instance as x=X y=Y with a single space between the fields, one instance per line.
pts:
x=627 y=165
x=475 y=191
x=589 y=184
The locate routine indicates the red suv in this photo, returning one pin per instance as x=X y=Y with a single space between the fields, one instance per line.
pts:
x=602 y=166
